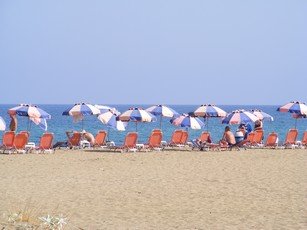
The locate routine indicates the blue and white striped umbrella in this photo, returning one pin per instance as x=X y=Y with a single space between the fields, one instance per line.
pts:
x=81 y=109
x=137 y=115
x=298 y=109
x=262 y=115
x=27 y=110
x=34 y=113
x=162 y=111
x=2 y=124
x=209 y=110
x=187 y=121
x=294 y=107
x=110 y=119
x=105 y=108
x=239 y=116
x=78 y=110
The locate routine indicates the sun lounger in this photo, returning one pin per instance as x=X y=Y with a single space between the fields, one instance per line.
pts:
x=257 y=139
x=8 y=140
x=154 y=141
x=290 y=141
x=74 y=140
x=100 y=139
x=45 y=143
x=304 y=139
x=271 y=141
x=202 y=142
x=19 y=144
x=129 y=143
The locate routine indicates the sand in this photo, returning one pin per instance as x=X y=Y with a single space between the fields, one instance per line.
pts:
x=251 y=189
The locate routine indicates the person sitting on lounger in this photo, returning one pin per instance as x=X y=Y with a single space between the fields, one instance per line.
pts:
x=228 y=137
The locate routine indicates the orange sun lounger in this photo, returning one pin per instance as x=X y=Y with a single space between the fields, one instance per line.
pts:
x=8 y=140
x=154 y=141
x=271 y=141
x=45 y=143
x=290 y=141
x=129 y=143
x=100 y=139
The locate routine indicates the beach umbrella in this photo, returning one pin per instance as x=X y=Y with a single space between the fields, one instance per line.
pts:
x=33 y=112
x=299 y=109
x=262 y=115
x=209 y=110
x=110 y=119
x=187 y=121
x=105 y=108
x=137 y=115
x=79 y=110
x=239 y=116
x=162 y=111
x=2 y=124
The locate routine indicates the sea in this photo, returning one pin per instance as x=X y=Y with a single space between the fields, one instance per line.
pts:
x=59 y=124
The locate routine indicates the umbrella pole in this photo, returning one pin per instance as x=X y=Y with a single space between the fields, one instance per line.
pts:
x=82 y=124
x=28 y=124
x=295 y=122
x=108 y=134
x=136 y=126
x=161 y=122
x=207 y=120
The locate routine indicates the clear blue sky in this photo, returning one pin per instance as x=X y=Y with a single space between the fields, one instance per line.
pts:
x=148 y=52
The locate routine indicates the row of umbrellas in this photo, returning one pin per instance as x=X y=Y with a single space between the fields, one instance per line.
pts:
x=114 y=119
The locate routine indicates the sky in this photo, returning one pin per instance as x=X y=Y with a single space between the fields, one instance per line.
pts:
x=153 y=52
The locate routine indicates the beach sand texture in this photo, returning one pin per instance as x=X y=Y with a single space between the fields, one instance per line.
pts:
x=252 y=189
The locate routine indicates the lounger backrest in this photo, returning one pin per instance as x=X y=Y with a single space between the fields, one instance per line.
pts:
x=75 y=139
x=205 y=137
x=26 y=132
x=176 y=137
x=184 y=137
x=258 y=136
x=20 y=140
x=100 y=137
x=250 y=137
x=157 y=130
x=8 y=139
x=271 y=140
x=131 y=140
x=155 y=139
x=304 y=139
x=46 y=141
x=291 y=136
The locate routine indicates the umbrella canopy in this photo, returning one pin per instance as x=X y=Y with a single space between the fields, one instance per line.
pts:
x=105 y=108
x=187 y=121
x=34 y=113
x=81 y=109
x=2 y=124
x=162 y=111
x=239 y=116
x=110 y=119
x=262 y=115
x=298 y=109
x=294 y=107
x=28 y=110
x=78 y=110
x=208 y=110
x=137 y=115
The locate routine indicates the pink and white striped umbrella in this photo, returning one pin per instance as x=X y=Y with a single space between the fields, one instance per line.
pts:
x=239 y=116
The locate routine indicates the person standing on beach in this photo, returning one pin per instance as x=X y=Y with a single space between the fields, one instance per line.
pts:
x=13 y=123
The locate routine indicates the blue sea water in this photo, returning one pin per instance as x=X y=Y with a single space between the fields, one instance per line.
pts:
x=59 y=124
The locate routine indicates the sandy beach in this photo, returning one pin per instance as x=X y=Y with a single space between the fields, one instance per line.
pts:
x=252 y=189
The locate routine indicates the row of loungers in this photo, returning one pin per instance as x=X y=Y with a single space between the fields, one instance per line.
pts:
x=18 y=143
